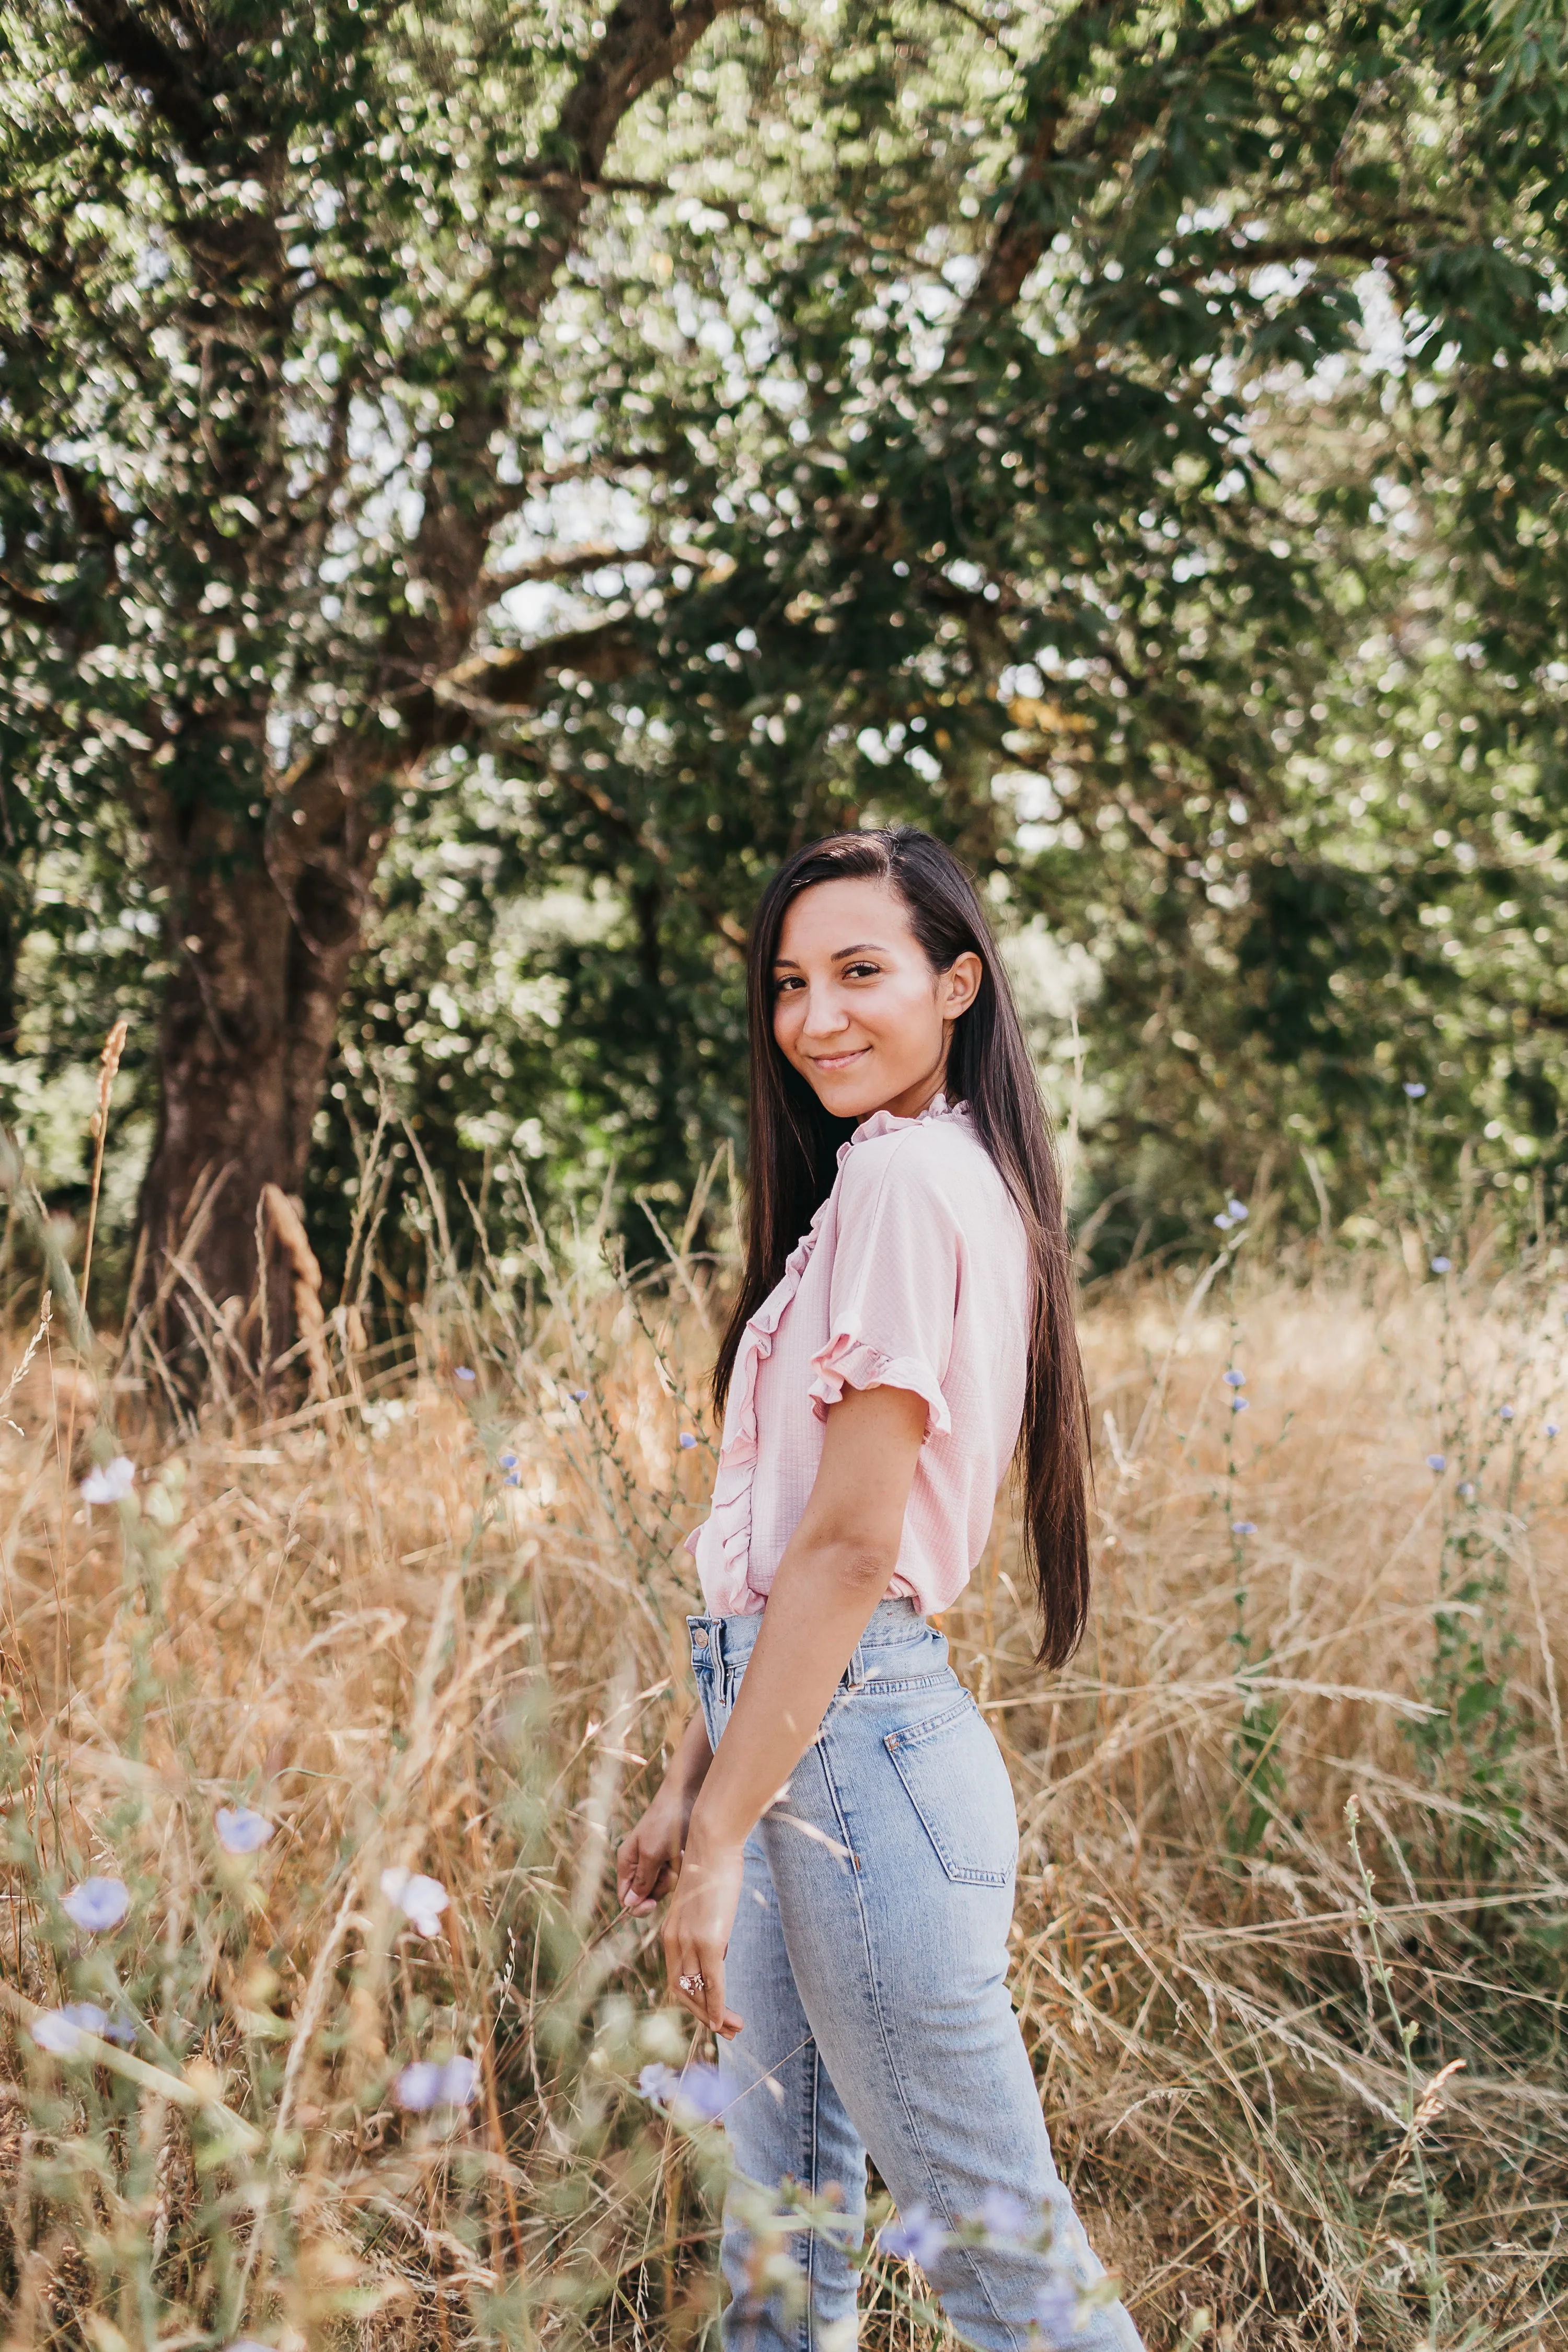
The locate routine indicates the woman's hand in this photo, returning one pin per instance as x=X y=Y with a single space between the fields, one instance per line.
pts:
x=697 y=1932
x=649 y=1862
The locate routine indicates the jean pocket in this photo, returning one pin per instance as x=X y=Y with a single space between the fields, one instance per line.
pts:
x=953 y=1776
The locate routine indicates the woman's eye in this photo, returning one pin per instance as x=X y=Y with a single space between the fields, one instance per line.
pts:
x=785 y=987
x=861 y=971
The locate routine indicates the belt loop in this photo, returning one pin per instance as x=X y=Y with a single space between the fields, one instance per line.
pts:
x=855 y=1672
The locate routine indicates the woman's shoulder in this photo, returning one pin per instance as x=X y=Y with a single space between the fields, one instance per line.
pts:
x=937 y=1162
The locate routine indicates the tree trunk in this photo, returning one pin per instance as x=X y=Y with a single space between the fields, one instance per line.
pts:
x=262 y=929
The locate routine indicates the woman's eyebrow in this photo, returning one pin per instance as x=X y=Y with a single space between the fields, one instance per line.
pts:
x=839 y=955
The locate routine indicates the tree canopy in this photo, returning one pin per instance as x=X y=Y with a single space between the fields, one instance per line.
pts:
x=475 y=490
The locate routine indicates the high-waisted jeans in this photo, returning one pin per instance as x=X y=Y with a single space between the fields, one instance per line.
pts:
x=869 y=1961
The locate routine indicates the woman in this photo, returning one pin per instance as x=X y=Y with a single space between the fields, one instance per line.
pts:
x=837 y=1826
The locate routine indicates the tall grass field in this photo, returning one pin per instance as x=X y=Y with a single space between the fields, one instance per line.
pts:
x=325 y=1707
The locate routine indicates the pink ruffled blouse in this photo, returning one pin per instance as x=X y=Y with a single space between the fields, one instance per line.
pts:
x=914 y=1276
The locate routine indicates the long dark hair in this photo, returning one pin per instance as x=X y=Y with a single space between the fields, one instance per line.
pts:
x=793 y=1149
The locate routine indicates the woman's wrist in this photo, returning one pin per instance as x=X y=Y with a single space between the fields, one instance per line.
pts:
x=711 y=1831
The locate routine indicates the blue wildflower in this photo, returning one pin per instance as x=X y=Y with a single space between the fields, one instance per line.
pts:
x=59 y=2031
x=695 y=2096
x=1243 y=1527
x=1414 y=1089
x=915 y=2236
x=466 y=1372
x=1551 y=1429
x=578 y=1395
x=239 y=1831
x=1239 y=1404
x=1004 y=2215
x=687 y=1440
x=1442 y=1266
x=1436 y=1462
x=1235 y=1380
x=425 y=2086
x=1237 y=1212
x=1224 y=1223
x=1505 y=1413
x=1055 y=2308
x=509 y=1461
x=96 y=1905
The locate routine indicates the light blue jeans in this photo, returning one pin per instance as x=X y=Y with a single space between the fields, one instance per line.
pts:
x=869 y=1961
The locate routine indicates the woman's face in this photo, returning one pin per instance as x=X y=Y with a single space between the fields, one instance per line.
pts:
x=857 y=1010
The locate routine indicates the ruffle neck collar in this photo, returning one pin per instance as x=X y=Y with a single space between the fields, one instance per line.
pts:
x=887 y=1122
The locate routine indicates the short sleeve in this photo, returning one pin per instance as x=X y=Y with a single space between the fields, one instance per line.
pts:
x=893 y=1295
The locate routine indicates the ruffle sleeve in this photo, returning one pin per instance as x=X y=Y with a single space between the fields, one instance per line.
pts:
x=897 y=1264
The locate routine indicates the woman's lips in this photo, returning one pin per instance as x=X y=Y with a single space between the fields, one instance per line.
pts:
x=838 y=1061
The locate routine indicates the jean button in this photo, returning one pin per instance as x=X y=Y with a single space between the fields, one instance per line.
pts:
x=699 y=1638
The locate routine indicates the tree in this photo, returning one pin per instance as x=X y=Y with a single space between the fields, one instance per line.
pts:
x=910 y=415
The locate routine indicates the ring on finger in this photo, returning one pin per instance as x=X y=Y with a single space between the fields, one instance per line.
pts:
x=695 y=1983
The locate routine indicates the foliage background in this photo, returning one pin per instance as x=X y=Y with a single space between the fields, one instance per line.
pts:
x=1127 y=439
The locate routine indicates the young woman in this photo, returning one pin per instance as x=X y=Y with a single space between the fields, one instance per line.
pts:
x=837 y=1829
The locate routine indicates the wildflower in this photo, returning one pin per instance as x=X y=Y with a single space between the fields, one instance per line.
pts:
x=1414 y=1089
x=1436 y=1462
x=111 y=1483
x=513 y=1478
x=1466 y=1490
x=120 y=2029
x=1551 y=1429
x=1239 y=1404
x=694 y=2096
x=578 y=1395
x=1056 y=2308
x=239 y=1831
x=1442 y=1266
x=421 y=1900
x=509 y=1461
x=1237 y=1209
x=1235 y=1380
x=427 y=2085
x=1505 y=1413
x=1243 y=1527
x=1002 y=2215
x=59 y=2031
x=687 y=1440
x=465 y=1373
x=96 y=1905
x=1224 y=1223
x=915 y=2236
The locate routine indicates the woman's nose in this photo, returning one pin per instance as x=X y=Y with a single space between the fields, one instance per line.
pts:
x=825 y=1015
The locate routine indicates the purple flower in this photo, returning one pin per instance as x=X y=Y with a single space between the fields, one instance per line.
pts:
x=111 y=1481
x=696 y=2096
x=1224 y=1223
x=421 y=1900
x=96 y=1905
x=425 y=2086
x=1235 y=1380
x=1436 y=1462
x=1551 y=1429
x=915 y=2236
x=59 y=2031
x=578 y=1395
x=687 y=1440
x=1237 y=1212
x=1442 y=1266
x=239 y=1831
x=1243 y=1527
x=1002 y=2215
x=1056 y=2308
x=1414 y=1089
x=509 y=1461
x=1505 y=1413
x=465 y=1373
x=1239 y=1404
x=120 y=2029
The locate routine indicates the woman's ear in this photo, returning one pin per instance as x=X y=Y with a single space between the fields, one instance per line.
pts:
x=961 y=984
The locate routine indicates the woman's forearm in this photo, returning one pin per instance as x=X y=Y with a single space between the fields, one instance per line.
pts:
x=692 y=1759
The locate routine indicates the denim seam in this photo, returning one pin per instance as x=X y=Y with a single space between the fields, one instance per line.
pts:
x=894 y=2075
x=808 y=2317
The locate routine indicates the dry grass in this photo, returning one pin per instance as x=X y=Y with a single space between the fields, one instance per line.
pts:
x=361 y=1619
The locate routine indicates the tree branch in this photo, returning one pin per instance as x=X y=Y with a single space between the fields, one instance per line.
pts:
x=569 y=565
x=93 y=512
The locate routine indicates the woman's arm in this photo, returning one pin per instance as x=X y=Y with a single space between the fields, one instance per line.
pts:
x=837 y=1567
x=649 y=1863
